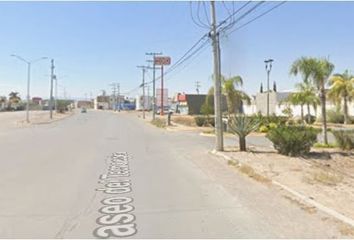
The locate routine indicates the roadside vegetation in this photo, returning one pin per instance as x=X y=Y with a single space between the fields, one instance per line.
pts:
x=159 y=122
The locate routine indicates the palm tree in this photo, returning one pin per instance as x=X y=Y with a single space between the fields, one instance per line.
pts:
x=342 y=88
x=317 y=71
x=308 y=97
x=2 y=102
x=234 y=96
x=297 y=99
x=14 y=98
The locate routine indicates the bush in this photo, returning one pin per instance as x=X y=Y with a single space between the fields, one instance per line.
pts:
x=310 y=119
x=159 y=122
x=292 y=140
x=344 y=138
x=200 y=121
x=211 y=121
x=323 y=145
x=241 y=126
x=272 y=125
x=263 y=129
x=335 y=116
x=184 y=120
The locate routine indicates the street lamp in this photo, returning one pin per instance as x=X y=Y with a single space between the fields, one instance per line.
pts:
x=28 y=79
x=268 y=68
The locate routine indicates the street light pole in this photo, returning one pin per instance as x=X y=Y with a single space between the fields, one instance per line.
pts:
x=268 y=67
x=143 y=68
x=28 y=79
x=51 y=89
x=28 y=90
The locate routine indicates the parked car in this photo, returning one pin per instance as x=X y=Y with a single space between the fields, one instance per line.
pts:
x=83 y=110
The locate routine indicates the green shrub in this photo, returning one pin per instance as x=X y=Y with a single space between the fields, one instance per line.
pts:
x=272 y=125
x=335 y=116
x=241 y=126
x=200 y=120
x=310 y=119
x=263 y=129
x=323 y=145
x=211 y=121
x=292 y=140
x=159 y=122
x=344 y=138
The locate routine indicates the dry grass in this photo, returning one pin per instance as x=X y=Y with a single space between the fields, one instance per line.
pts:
x=233 y=162
x=184 y=120
x=306 y=208
x=158 y=122
x=211 y=131
x=346 y=230
x=328 y=178
x=249 y=171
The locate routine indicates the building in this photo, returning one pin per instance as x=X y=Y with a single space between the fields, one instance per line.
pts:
x=84 y=104
x=277 y=105
x=143 y=102
x=192 y=103
x=37 y=100
x=102 y=102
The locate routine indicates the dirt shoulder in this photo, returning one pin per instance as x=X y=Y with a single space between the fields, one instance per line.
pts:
x=17 y=119
x=325 y=176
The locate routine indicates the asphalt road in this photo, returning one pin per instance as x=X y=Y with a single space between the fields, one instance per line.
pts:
x=160 y=184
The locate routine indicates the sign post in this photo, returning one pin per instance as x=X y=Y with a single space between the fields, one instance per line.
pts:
x=158 y=60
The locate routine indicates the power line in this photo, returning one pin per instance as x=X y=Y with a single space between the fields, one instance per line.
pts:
x=201 y=24
x=233 y=14
x=230 y=25
x=195 y=50
x=257 y=17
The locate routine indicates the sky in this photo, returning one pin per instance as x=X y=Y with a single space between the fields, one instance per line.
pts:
x=97 y=43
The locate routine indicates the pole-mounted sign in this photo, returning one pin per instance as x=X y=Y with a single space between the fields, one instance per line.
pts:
x=162 y=60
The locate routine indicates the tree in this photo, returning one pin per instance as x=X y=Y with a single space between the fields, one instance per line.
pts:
x=308 y=97
x=208 y=106
x=2 y=102
x=297 y=99
x=14 y=99
x=317 y=71
x=342 y=89
x=234 y=96
x=242 y=125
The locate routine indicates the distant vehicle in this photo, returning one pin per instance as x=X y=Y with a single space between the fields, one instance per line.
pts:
x=83 y=110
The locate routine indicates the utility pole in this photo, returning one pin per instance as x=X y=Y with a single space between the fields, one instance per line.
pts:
x=52 y=76
x=143 y=68
x=56 y=93
x=161 y=108
x=197 y=85
x=114 y=96
x=153 y=82
x=268 y=68
x=118 y=87
x=148 y=96
x=214 y=35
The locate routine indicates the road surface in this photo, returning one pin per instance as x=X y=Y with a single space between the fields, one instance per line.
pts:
x=160 y=184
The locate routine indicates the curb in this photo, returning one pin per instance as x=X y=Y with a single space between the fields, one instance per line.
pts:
x=55 y=120
x=304 y=198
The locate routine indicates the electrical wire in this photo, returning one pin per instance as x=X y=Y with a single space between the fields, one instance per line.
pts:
x=257 y=17
x=230 y=25
x=194 y=20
